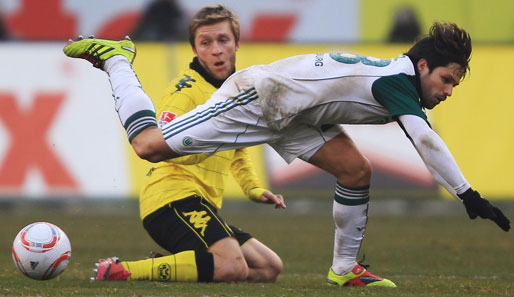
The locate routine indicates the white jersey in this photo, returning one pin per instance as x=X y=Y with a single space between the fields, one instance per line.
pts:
x=295 y=104
x=335 y=88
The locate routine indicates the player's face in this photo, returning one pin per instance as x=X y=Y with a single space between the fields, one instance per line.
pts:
x=215 y=47
x=438 y=84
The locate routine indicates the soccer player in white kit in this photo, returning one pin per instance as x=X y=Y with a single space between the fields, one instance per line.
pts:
x=296 y=105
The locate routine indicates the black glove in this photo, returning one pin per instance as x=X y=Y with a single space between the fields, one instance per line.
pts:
x=476 y=205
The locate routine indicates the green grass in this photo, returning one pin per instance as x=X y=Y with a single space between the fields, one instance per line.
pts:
x=425 y=256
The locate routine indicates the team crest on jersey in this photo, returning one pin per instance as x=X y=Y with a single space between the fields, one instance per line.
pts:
x=187 y=141
x=166 y=117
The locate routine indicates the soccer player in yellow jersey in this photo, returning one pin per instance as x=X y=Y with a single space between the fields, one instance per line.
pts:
x=179 y=202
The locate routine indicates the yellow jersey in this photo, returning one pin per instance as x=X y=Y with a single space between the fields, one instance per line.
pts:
x=167 y=182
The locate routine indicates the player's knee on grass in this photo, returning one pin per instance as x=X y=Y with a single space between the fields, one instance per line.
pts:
x=230 y=270
x=264 y=264
x=273 y=269
x=229 y=262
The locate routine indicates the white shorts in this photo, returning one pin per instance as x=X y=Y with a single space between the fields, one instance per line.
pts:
x=232 y=118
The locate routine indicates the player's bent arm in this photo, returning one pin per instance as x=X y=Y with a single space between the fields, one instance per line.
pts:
x=150 y=145
x=435 y=154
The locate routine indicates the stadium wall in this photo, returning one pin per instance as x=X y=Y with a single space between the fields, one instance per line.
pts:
x=306 y=21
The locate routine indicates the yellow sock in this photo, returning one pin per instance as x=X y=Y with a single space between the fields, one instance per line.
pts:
x=178 y=267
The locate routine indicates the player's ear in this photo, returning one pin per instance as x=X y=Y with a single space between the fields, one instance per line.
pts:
x=237 y=46
x=194 y=51
x=422 y=64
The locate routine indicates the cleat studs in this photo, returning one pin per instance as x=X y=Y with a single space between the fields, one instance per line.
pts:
x=91 y=36
x=127 y=37
x=80 y=37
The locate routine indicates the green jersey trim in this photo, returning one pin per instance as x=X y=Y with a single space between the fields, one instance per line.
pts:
x=398 y=94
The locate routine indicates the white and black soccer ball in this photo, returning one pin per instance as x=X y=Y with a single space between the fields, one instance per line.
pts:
x=41 y=251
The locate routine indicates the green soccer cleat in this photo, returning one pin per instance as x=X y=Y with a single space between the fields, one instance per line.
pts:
x=359 y=277
x=97 y=51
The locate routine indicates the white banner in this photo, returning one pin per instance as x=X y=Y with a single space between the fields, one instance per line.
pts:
x=59 y=134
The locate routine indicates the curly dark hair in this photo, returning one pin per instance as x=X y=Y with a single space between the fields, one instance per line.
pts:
x=446 y=43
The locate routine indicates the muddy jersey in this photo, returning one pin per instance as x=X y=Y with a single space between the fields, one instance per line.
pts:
x=336 y=88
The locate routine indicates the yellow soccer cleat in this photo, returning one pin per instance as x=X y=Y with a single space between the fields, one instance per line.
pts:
x=97 y=51
x=359 y=277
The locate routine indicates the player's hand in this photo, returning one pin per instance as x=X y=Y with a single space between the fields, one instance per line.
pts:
x=270 y=198
x=476 y=205
x=265 y=196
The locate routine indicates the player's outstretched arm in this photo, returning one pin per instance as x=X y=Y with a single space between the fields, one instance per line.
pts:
x=445 y=170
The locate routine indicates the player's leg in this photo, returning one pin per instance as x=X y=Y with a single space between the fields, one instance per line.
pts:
x=229 y=262
x=340 y=157
x=263 y=263
x=135 y=109
x=194 y=224
x=331 y=149
x=203 y=247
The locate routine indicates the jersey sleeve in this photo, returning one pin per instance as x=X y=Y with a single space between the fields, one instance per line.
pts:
x=398 y=95
x=243 y=171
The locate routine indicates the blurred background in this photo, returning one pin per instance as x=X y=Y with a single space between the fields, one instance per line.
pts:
x=60 y=139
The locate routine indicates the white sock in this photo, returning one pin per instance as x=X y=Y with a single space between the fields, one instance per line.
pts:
x=134 y=107
x=350 y=210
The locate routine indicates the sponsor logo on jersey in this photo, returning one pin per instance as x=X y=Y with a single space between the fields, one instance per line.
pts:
x=184 y=83
x=166 y=117
x=164 y=271
x=198 y=219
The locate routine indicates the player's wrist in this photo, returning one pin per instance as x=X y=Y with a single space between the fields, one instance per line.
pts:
x=256 y=193
x=468 y=194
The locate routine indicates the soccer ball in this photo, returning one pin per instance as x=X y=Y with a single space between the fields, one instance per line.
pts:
x=41 y=251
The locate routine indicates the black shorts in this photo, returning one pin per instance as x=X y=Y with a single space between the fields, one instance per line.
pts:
x=191 y=223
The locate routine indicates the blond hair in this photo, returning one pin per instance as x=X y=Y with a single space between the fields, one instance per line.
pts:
x=211 y=15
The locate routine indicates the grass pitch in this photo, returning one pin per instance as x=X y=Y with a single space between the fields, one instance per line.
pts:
x=446 y=255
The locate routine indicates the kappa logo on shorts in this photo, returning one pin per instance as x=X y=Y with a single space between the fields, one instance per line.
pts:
x=187 y=141
x=164 y=271
x=199 y=219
